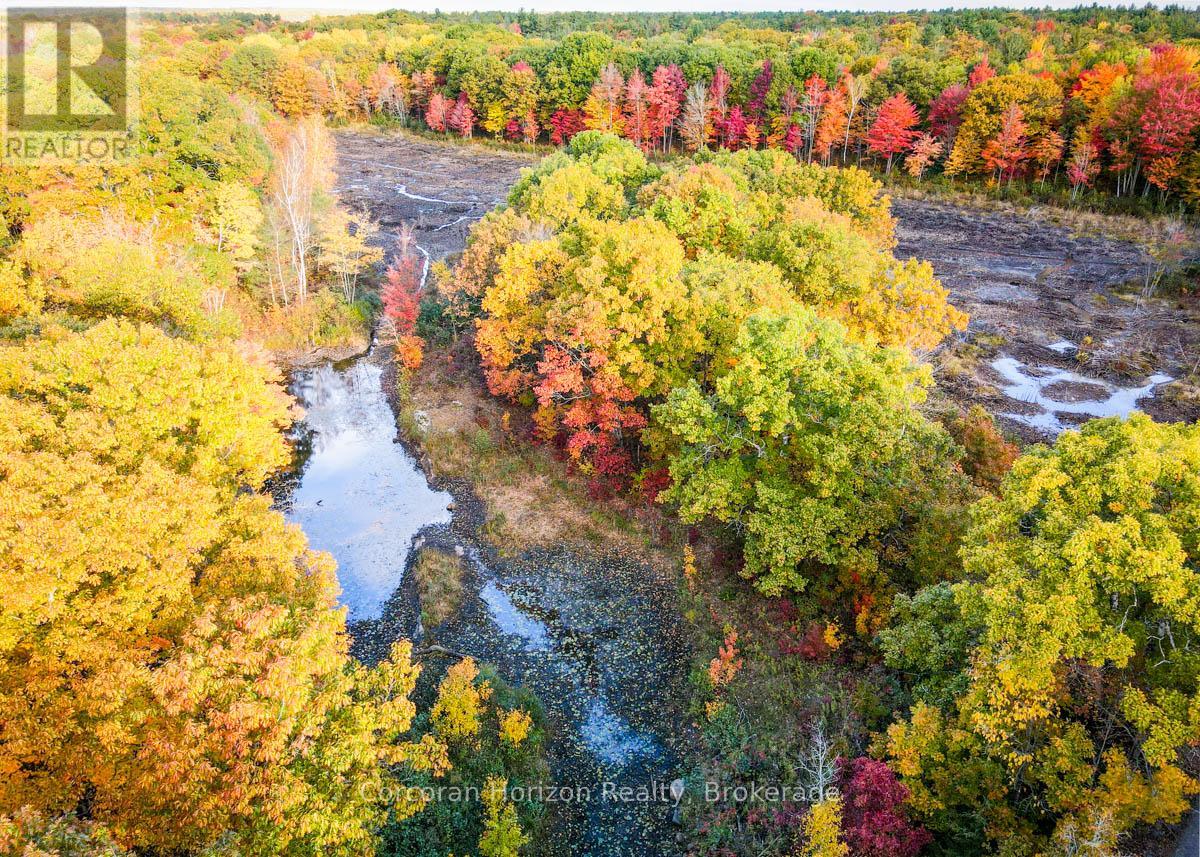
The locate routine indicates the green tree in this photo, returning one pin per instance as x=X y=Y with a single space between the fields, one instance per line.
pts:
x=571 y=68
x=809 y=443
x=251 y=68
x=1090 y=555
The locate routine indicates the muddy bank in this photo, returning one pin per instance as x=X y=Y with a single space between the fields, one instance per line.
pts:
x=440 y=188
x=1046 y=304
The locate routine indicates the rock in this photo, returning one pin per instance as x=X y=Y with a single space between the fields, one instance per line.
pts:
x=422 y=421
x=450 y=507
x=458 y=549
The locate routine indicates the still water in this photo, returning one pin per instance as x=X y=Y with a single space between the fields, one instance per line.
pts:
x=597 y=637
x=361 y=496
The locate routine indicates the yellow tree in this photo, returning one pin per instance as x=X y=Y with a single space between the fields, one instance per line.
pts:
x=822 y=830
x=234 y=218
x=1083 y=594
x=345 y=247
x=459 y=707
x=170 y=649
x=502 y=836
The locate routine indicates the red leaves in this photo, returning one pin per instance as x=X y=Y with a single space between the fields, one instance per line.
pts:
x=981 y=73
x=1005 y=154
x=590 y=405
x=892 y=132
x=402 y=283
x=874 y=823
x=733 y=129
x=1169 y=120
x=759 y=89
x=945 y=113
x=565 y=124
x=636 y=124
x=461 y=117
x=435 y=114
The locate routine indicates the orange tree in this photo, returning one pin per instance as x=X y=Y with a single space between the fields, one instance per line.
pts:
x=171 y=653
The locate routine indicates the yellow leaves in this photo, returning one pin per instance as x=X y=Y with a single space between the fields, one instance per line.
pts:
x=112 y=266
x=18 y=295
x=29 y=833
x=574 y=194
x=1168 y=722
x=832 y=635
x=429 y=754
x=821 y=831
x=502 y=836
x=689 y=566
x=234 y=217
x=515 y=726
x=124 y=393
x=346 y=248
x=168 y=641
x=459 y=706
x=1132 y=797
x=909 y=308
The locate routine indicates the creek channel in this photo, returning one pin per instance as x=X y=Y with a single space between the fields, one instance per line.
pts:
x=598 y=637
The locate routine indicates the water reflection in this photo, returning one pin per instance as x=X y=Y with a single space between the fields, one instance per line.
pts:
x=360 y=496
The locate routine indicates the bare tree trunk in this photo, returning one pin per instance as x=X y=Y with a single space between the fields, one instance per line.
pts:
x=302 y=172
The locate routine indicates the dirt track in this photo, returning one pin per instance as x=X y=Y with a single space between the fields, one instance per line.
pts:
x=1027 y=284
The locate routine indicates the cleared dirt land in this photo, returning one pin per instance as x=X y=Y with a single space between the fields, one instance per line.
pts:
x=440 y=188
x=1060 y=331
x=1061 y=326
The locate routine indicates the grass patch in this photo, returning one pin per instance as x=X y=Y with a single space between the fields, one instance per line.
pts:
x=531 y=496
x=439 y=577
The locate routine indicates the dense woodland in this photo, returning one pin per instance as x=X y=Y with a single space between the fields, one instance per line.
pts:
x=1087 y=100
x=979 y=650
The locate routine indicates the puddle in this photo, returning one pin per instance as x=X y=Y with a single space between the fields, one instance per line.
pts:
x=510 y=620
x=1031 y=385
x=611 y=738
x=360 y=496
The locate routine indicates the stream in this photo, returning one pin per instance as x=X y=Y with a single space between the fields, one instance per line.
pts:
x=598 y=638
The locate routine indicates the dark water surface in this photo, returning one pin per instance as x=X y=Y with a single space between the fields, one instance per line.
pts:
x=597 y=637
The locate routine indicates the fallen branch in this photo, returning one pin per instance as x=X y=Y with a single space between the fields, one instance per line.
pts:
x=435 y=649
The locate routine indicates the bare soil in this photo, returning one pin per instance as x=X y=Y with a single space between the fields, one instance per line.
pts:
x=1029 y=284
x=440 y=188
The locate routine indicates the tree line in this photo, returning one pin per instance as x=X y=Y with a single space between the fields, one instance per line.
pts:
x=1099 y=99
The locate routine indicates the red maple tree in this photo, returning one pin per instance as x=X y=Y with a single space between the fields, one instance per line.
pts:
x=893 y=132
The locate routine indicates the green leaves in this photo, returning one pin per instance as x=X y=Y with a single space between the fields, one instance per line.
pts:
x=807 y=443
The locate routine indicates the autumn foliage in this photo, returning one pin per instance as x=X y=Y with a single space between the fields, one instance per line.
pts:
x=702 y=247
